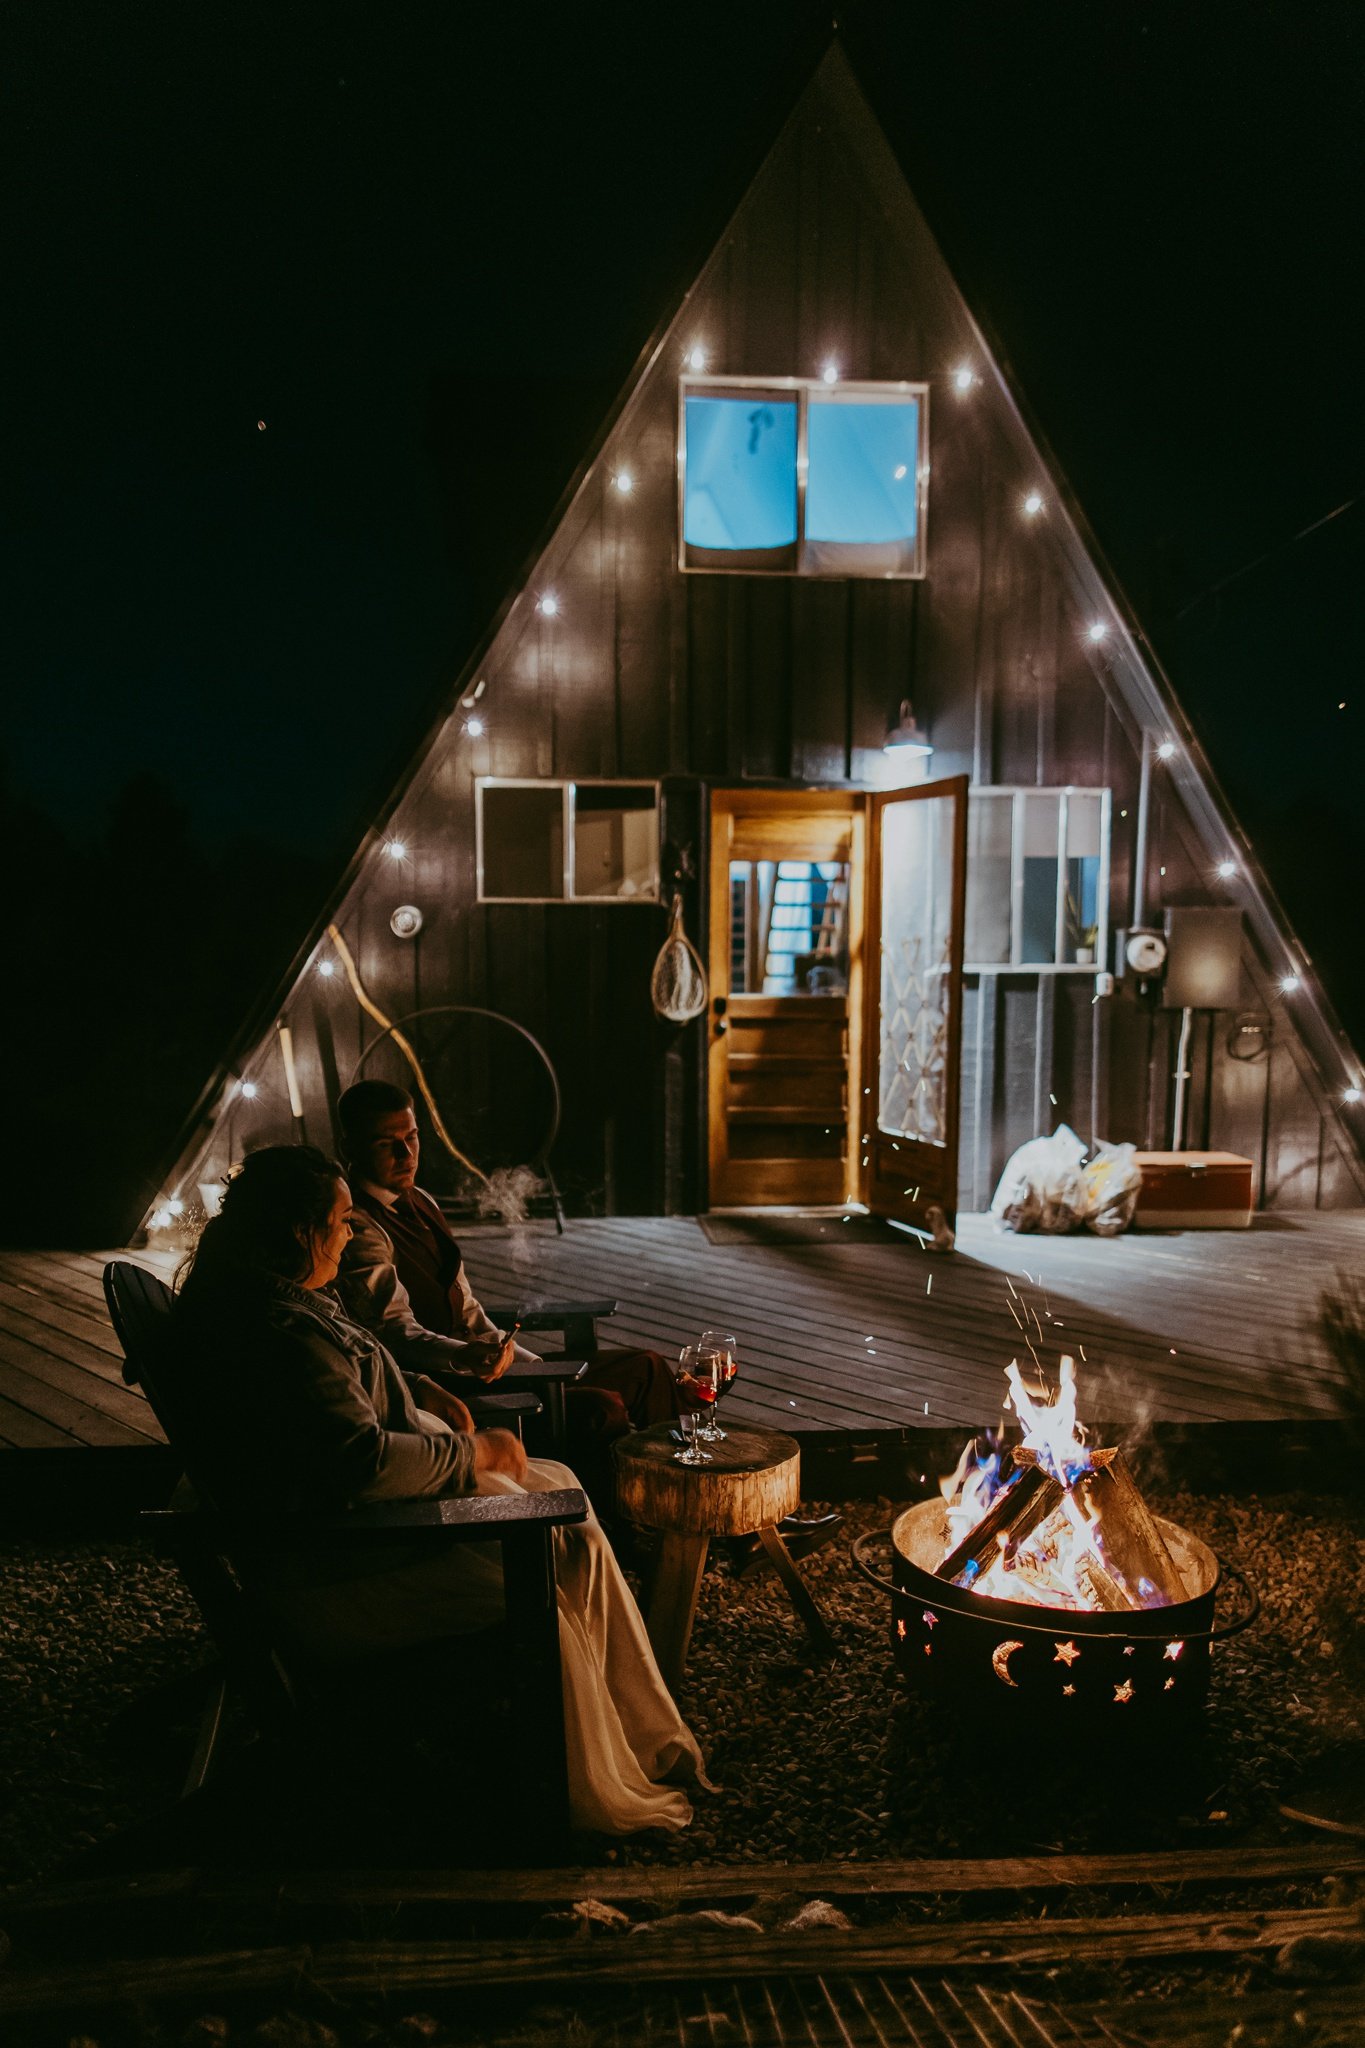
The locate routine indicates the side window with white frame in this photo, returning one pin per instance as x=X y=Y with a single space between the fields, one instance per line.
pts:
x=567 y=842
x=789 y=476
x=1037 y=880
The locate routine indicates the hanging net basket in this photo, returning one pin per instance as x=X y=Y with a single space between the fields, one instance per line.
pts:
x=677 y=986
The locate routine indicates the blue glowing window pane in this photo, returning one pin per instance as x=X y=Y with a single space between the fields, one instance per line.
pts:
x=741 y=473
x=861 y=480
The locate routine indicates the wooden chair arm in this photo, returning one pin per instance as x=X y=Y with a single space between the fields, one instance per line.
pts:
x=470 y=1518
x=490 y=1410
x=550 y=1315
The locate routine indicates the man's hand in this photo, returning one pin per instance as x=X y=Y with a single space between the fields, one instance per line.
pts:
x=489 y=1357
x=434 y=1400
x=497 y=1450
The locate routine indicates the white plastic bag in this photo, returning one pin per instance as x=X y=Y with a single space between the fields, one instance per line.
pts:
x=1043 y=1187
x=1113 y=1182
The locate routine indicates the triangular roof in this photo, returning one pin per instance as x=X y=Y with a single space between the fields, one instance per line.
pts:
x=1140 y=693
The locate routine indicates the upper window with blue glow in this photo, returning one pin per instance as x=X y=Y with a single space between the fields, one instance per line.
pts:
x=796 y=477
x=741 y=473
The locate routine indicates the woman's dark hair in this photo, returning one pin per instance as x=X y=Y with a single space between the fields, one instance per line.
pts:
x=269 y=1199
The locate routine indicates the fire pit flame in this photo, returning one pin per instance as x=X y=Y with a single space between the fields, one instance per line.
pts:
x=1051 y=1522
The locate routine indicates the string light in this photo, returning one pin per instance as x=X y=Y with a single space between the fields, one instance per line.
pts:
x=475 y=727
x=1166 y=750
x=830 y=373
x=1226 y=870
x=1033 y=504
x=326 y=968
x=1351 y=1095
x=625 y=482
x=160 y=1218
x=175 y=1207
x=397 y=849
x=1096 y=631
x=249 y=1089
x=549 y=605
x=963 y=379
x=1288 y=984
x=696 y=357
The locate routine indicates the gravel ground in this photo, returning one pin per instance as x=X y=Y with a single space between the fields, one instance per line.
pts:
x=813 y=1762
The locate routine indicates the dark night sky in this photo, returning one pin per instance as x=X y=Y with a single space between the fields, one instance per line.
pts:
x=425 y=254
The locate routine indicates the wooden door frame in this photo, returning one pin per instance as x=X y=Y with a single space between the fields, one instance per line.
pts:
x=725 y=802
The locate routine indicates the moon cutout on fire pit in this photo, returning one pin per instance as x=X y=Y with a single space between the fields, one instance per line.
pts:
x=1000 y=1659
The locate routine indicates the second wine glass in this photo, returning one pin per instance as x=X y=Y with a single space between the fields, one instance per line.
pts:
x=719 y=1356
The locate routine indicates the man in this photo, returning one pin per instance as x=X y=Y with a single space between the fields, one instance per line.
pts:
x=403 y=1278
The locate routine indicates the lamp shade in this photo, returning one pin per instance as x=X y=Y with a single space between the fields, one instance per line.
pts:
x=905 y=738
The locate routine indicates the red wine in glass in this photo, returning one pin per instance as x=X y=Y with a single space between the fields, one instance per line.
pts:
x=720 y=1353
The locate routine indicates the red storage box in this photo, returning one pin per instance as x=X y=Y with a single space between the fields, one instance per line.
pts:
x=1194 y=1191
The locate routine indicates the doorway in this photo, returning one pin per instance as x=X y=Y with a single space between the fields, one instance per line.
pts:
x=836 y=933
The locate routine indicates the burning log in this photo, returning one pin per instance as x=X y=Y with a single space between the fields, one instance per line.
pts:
x=1029 y=1495
x=1133 y=1544
x=1101 y=1588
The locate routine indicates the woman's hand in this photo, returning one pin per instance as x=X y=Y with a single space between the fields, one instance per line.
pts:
x=434 y=1400
x=498 y=1450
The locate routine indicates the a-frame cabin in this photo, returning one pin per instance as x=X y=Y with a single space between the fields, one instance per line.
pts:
x=816 y=503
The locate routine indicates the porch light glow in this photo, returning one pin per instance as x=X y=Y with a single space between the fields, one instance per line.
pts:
x=1097 y=631
x=1033 y=505
x=1226 y=870
x=830 y=373
x=964 y=378
x=1165 y=751
x=397 y=849
x=625 y=482
x=549 y=604
x=696 y=357
x=904 y=739
x=474 y=726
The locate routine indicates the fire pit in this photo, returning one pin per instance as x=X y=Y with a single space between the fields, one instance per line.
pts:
x=1041 y=1577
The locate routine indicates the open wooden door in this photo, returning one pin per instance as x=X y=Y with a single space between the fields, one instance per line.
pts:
x=912 y=1031
x=786 y=996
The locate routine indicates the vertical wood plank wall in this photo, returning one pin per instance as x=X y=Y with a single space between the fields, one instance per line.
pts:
x=646 y=672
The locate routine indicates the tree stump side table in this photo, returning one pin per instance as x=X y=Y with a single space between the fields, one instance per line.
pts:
x=753 y=1480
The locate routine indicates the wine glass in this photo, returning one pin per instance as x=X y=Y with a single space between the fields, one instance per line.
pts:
x=694 y=1384
x=719 y=1353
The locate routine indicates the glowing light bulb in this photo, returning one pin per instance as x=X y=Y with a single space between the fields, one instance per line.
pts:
x=830 y=373
x=249 y=1089
x=1165 y=750
x=696 y=357
x=625 y=482
x=175 y=1207
x=1226 y=870
x=1288 y=984
x=1033 y=505
x=326 y=968
x=1351 y=1095
x=1097 y=631
x=549 y=604
x=397 y=849
x=963 y=378
x=474 y=727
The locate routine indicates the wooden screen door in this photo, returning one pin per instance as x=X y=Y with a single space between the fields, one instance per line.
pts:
x=786 y=981
x=912 y=999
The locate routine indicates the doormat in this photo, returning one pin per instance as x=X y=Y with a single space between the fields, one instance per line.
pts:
x=800 y=1230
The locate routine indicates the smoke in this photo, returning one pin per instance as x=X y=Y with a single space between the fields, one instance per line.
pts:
x=506 y=1197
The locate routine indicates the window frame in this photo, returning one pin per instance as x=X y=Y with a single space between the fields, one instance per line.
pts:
x=887 y=390
x=567 y=787
x=1017 y=792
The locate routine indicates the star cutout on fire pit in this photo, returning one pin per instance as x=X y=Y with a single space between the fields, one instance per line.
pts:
x=1173 y=1650
x=1067 y=1653
x=1124 y=1692
x=1068 y=1692
x=1167 y=1686
x=1127 y=1649
x=929 y=1618
x=900 y=1630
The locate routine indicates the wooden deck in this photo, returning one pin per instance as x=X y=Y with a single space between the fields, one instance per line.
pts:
x=1184 y=1327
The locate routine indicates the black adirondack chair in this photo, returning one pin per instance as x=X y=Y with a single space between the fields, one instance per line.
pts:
x=287 y=1694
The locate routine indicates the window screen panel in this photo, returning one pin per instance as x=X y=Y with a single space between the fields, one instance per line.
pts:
x=523 y=842
x=740 y=479
x=862 y=485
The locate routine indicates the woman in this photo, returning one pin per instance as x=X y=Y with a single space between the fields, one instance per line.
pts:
x=292 y=1406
